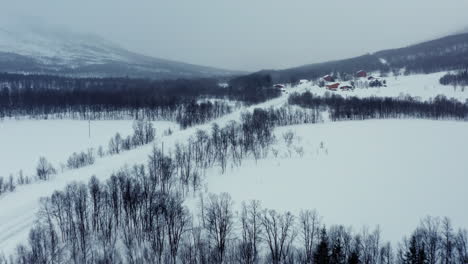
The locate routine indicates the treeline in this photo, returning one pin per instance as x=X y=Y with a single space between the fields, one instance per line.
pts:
x=459 y=78
x=138 y=216
x=98 y=99
x=234 y=142
x=354 y=108
x=193 y=113
x=41 y=96
x=254 y=88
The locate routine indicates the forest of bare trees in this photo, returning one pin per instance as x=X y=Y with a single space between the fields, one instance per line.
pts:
x=457 y=79
x=139 y=216
x=354 y=108
x=42 y=96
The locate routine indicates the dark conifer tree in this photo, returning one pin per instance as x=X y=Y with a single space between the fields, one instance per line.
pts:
x=322 y=254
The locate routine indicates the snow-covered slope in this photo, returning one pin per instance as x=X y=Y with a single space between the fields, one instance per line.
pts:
x=52 y=50
x=419 y=86
x=390 y=173
x=58 y=47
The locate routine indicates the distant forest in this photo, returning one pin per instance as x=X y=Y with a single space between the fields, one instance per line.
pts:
x=459 y=78
x=42 y=96
x=354 y=108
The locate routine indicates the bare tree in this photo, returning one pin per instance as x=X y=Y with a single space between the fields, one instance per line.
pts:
x=219 y=222
x=461 y=245
x=386 y=254
x=430 y=230
x=177 y=219
x=309 y=225
x=279 y=234
x=447 y=241
x=44 y=169
x=251 y=232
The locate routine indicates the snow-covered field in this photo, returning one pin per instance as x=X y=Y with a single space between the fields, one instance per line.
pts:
x=22 y=142
x=423 y=86
x=390 y=173
x=387 y=172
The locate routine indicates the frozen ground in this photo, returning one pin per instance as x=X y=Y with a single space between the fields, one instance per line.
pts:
x=22 y=142
x=365 y=174
x=390 y=173
x=424 y=86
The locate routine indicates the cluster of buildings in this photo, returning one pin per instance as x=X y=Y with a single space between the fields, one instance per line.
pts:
x=332 y=84
x=361 y=79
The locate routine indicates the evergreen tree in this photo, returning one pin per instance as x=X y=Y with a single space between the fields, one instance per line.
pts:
x=415 y=253
x=354 y=258
x=321 y=255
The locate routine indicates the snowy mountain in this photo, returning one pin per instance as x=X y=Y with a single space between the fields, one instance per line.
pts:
x=37 y=49
x=443 y=54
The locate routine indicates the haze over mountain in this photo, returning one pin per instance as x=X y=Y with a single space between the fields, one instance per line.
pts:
x=57 y=50
x=251 y=35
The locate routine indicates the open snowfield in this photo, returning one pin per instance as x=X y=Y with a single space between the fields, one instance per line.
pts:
x=365 y=174
x=390 y=173
x=22 y=142
x=423 y=86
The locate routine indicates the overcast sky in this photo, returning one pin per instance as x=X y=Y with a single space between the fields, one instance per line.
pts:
x=252 y=34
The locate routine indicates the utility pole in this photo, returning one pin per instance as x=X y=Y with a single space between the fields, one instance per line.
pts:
x=89 y=128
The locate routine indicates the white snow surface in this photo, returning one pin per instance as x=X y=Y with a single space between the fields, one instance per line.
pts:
x=24 y=141
x=390 y=173
x=387 y=172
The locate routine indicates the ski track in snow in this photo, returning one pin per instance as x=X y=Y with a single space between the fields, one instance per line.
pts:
x=18 y=209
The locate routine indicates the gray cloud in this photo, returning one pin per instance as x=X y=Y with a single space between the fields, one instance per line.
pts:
x=251 y=34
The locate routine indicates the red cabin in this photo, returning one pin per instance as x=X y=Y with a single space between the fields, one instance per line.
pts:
x=333 y=86
x=361 y=74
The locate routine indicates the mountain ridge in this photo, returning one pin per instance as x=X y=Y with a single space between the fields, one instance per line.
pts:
x=441 y=54
x=43 y=51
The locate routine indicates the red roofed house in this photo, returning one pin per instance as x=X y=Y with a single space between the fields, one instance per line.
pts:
x=328 y=78
x=361 y=74
x=333 y=87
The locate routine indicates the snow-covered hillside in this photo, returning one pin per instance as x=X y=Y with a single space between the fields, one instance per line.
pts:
x=58 y=47
x=52 y=50
x=420 y=86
